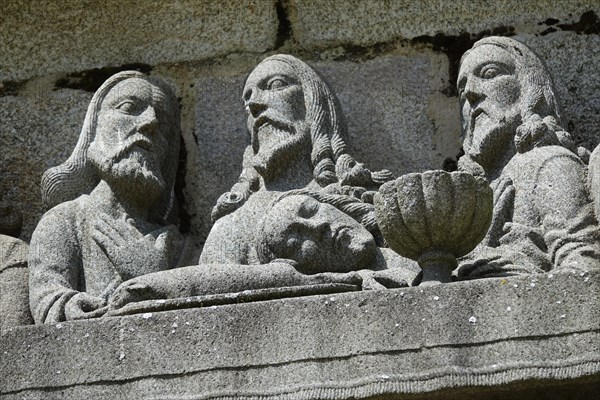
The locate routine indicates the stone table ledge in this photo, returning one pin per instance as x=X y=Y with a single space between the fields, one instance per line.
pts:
x=488 y=334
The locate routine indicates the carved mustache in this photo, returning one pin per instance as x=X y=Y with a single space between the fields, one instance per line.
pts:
x=476 y=112
x=264 y=120
x=137 y=139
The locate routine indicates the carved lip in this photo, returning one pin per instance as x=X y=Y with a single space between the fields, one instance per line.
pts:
x=264 y=120
x=140 y=141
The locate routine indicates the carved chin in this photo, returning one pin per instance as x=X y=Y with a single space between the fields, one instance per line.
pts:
x=139 y=172
x=136 y=167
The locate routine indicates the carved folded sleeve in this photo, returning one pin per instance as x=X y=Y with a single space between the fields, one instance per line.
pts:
x=55 y=264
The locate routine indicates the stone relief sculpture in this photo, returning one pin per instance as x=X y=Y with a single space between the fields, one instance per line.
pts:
x=543 y=218
x=300 y=214
x=298 y=141
x=306 y=242
x=113 y=203
x=300 y=219
x=14 y=296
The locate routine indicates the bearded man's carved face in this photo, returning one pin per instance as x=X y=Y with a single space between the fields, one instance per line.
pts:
x=274 y=100
x=490 y=98
x=132 y=131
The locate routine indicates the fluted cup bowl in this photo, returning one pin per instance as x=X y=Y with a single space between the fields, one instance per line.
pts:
x=434 y=218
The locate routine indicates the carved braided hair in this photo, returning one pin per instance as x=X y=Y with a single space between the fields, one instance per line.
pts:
x=78 y=175
x=329 y=156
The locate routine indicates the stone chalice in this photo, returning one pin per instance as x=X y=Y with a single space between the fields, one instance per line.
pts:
x=434 y=218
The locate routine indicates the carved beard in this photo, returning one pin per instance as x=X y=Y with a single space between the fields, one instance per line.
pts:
x=277 y=147
x=129 y=165
x=489 y=145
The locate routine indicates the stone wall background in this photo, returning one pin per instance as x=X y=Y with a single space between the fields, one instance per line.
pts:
x=393 y=65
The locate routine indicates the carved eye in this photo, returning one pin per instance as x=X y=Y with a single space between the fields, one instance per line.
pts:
x=308 y=209
x=127 y=107
x=490 y=71
x=276 y=83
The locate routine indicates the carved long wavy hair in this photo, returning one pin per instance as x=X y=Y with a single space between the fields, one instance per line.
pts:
x=78 y=175
x=540 y=114
x=330 y=159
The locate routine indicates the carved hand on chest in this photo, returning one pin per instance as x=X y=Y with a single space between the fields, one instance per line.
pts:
x=134 y=248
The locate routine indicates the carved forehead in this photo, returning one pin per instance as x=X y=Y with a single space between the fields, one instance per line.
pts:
x=295 y=202
x=138 y=88
x=268 y=68
x=483 y=54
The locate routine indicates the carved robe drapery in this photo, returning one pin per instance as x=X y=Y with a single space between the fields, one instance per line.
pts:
x=543 y=218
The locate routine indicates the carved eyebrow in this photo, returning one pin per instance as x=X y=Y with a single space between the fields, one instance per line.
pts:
x=288 y=78
x=119 y=98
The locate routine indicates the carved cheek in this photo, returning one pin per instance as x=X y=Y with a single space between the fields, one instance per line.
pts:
x=108 y=127
x=505 y=90
x=290 y=102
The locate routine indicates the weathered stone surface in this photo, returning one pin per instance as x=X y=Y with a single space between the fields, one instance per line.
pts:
x=14 y=291
x=38 y=129
x=221 y=136
x=543 y=217
x=571 y=59
x=298 y=141
x=111 y=202
x=320 y=23
x=409 y=126
x=63 y=36
x=434 y=218
x=398 y=115
x=473 y=338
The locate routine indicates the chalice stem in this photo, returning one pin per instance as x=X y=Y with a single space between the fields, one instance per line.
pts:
x=437 y=266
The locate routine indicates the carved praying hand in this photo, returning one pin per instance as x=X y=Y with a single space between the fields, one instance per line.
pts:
x=131 y=252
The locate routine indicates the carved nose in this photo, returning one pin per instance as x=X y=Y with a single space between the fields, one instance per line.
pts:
x=148 y=124
x=320 y=228
x=255 y=108
x=472 y=92
x=472 y=97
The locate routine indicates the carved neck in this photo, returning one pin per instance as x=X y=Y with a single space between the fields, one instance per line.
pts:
x=123 y=199
x=296 y=173
x=494 y=166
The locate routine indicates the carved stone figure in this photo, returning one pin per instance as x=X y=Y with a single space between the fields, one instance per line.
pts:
x=304 y=239
x=112 y=216
x=298 y=141
x=14 y=296
x=543 y=218
x=319 y=232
